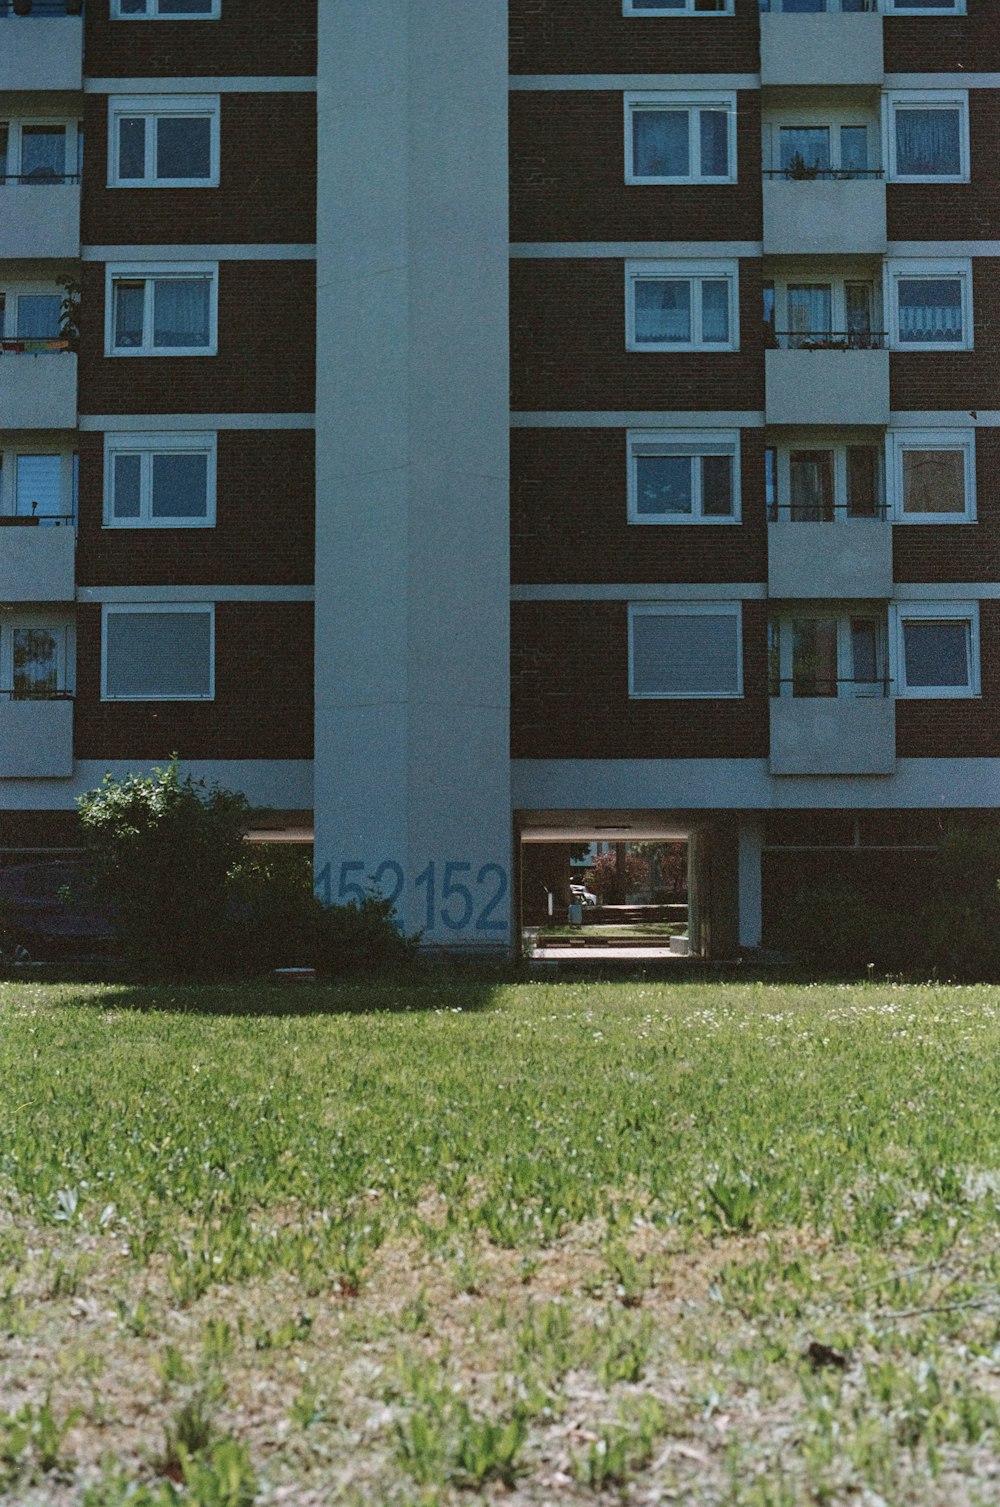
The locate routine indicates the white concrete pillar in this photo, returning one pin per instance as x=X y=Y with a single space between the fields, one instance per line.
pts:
x=412 y=779
x=751 y=843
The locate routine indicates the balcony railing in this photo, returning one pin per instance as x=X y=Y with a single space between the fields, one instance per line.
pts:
x=828 y=687
x=856 y=6
x=835 y=174
x=825 y=340
x=20 y=693
x=41 y=8
x=824 y=512
x=40 y=178
x=40 y=520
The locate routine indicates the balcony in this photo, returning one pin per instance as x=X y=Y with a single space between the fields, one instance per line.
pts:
x=828 y=48
x=42 y=51
x=827 y=378
x=37 y=561
x=36 y=738
x=824 y=214
x=37 y=386
x=39 y=217
x=840 y=557
x=837 y=735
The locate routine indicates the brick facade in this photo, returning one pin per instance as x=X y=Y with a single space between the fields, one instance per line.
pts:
x=250 y=38
x=565 y=37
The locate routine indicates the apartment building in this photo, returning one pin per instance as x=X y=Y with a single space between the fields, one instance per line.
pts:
x=607 y=391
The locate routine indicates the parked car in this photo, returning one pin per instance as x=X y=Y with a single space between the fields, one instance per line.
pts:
x=582 y=896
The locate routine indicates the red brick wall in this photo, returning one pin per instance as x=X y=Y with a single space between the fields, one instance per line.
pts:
x=955 y=211
x=569 y=517
x=945 y=44
x=267 y=186
x=569 y=689
x=38 y=829
x=264 y=531
x=568 y=345
x=952 y=728
x=258 y=37
x=263 y=693
x=267 y=315
x=592 y=36
x=963 y=552
x=567 y=154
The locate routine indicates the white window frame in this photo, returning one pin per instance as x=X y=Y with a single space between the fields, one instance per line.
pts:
x=153 y=13
x=153 y=108
x=899 y=8
x=899 y=441
x=148 y=272
x=684 y=8
x=663 y=439
x=146 y=446
x=9 y=454
x=904 y=612
x=733 y=609
x=691 y=103
x=838 y=445
x=897 y=270
x=112 y=608
x=909 y=99
x=695 y=272
x=73 y=135
x=64 y=629
x=10 y=293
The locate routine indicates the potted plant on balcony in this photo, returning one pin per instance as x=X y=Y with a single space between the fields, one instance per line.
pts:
x=69 y=314
x=800 y=169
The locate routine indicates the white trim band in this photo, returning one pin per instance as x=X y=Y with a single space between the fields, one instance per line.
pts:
x=195 y=593
x=234 y=253
x=124 y=423
x=234 y=84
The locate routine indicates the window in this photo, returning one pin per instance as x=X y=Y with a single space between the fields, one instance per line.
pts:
x=826 y=147
x=821 y=653
x=928 y=133
x=824 y=483
x=799 y=7
x=937 y=648
x=170 y=310
x=159 y=480
x=166 y=10
x=35 y=153
x=674 y=139
x=925 y=7
x=685 y=649
x=36 y=658
x=840 y=314
x=164 y=142
x=934 y=475
x=158 y=652
x=39 y=485
x=676 y=477
x=931 y=305
x=681 y=306
x=677 y=7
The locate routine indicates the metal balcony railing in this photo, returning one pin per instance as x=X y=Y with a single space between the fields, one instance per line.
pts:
x=811 y=175
x=855 y=6
x=23 y=693
x=39 y=520
x=40 y=8
x=40 y=178
x=813 y=686
x=824 y=512
x=825 y=340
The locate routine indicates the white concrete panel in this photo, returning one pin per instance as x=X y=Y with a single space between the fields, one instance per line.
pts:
x=43 y=53
x=849 y=558
x=37 y=564
x=832 y=735
x=36 y=739
x=822 y=217
x=750 y=843
x=38 y=391
x=40 y=220
x=279 y=784
x=412 y=765
x=824 y=48
x=827 y=387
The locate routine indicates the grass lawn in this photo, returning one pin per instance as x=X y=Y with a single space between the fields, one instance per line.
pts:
x=732 y=1244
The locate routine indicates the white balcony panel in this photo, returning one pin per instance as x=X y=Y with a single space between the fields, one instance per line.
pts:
x=37 y=564
x=823 y=216
x=826 y=48
x=44 y=52
x=40 y=220
x=833 y=735
x=827 y=387
x=36 y=739
x=38 y=392
x=849 y=558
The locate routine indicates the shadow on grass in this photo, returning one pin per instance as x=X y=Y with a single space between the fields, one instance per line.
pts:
x=420 y=990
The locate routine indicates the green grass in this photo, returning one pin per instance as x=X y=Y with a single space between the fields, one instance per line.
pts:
x=734 y=1245
x=652 y=929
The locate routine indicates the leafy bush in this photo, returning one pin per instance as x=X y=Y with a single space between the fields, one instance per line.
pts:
x=186 y=893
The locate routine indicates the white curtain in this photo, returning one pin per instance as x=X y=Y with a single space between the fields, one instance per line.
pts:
x=180 y=311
